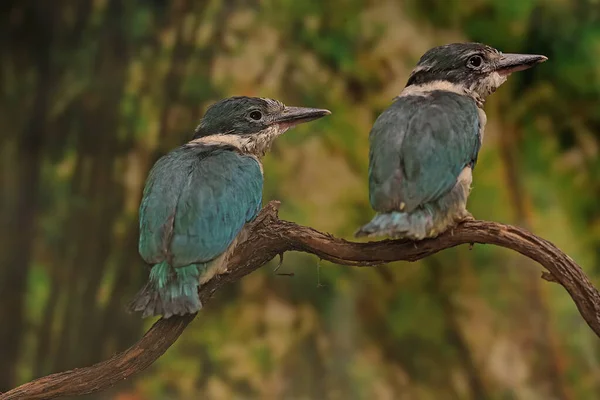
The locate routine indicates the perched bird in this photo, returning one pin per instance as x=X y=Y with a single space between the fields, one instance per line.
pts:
x=423 y=148
x=199 y=198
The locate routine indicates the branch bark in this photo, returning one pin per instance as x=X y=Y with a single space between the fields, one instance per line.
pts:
x=272 y=236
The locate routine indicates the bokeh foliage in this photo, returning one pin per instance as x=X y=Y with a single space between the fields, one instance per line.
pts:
x=93 y=92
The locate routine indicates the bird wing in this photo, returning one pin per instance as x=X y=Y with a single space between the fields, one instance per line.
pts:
x=196 y=202
x=418 y=148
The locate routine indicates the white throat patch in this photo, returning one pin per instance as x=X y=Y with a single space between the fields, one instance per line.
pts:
x=489 y=84
x=426 y=88
x=256 y=144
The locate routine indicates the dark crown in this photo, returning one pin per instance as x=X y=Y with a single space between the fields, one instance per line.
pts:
x=239 y=115
x=450 y=62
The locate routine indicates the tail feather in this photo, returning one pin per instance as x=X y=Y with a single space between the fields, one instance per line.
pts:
x=169 y=292
x=415 y=225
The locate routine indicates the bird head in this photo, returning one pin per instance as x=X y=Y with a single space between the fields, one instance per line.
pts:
x=475 y=67
x=251 y=123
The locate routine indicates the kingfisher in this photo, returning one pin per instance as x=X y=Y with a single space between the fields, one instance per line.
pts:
x=199 y=199
x=423 y=148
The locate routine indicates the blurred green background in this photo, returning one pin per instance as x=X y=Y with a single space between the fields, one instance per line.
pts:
x=93 y=92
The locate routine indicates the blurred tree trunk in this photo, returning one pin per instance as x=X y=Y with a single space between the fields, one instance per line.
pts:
x=68 y=272
x=40 y=364
x=91 y=226
x=454 y=335
x=534 y=311
x=18 y=249
x=60 y=128
x=106 y=193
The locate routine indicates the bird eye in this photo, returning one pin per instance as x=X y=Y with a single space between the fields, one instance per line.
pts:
x=256 y=115
x=475 y=61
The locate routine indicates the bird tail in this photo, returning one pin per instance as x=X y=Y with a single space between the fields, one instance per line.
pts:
x=415 y=225
x=169 y=291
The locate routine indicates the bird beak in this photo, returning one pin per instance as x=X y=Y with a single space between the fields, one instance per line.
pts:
x=510 y=63
x=292 y=116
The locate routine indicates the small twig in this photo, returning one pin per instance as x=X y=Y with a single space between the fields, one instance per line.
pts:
x=280 y=263
x=319 y=274
x=286 y=274
x=279 y=266
x=548 y=277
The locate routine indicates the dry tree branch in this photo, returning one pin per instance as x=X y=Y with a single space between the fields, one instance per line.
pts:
x=272 y=236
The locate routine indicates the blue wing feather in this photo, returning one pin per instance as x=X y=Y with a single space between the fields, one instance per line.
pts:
x=212 y=211
x=419 y=146
x=199 y=201
x=159 y=200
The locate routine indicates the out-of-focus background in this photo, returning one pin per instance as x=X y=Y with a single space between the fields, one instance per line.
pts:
x=93 y=92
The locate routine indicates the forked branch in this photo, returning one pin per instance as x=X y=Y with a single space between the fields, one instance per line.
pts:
x=272 y=236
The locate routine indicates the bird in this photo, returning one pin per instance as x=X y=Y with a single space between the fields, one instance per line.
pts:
x=424 y=146
x=199 y=199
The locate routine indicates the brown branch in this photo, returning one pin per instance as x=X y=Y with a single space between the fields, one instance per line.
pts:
x=272 y=236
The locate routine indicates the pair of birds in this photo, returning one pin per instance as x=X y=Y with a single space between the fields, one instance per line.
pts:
x=199 y=199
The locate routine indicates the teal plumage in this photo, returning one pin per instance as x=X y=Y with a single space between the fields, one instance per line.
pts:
x=418 y=148
x=424 y=147
x=196 y=201
x=199 y=198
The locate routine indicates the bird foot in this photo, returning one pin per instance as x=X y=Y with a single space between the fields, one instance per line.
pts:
x=465 y=216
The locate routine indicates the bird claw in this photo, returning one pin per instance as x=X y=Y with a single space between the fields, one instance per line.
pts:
x=467 y=217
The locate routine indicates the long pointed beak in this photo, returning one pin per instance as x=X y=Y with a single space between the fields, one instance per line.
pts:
x=292 y=116
x=510 y=63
